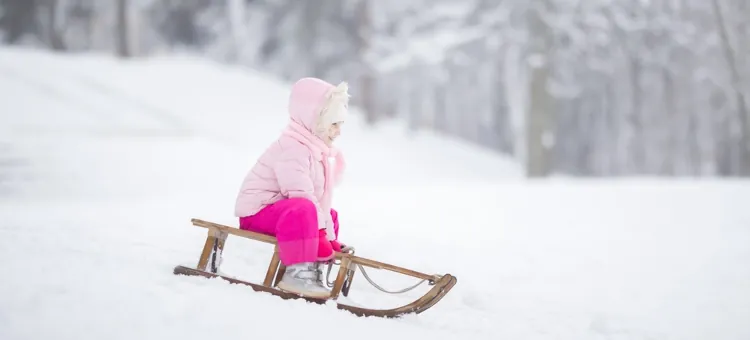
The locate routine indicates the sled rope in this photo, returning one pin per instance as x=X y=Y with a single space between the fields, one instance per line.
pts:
x=364 y=273
x=367 y=277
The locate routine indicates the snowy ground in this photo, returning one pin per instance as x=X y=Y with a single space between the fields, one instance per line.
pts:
x=103 y=163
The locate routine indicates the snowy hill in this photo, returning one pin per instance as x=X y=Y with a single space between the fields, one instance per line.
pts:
x=103 y=163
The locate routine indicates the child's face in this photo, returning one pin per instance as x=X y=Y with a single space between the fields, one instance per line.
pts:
x=334 y=131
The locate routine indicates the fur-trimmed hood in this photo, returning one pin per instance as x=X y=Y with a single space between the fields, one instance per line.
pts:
x=316 y=104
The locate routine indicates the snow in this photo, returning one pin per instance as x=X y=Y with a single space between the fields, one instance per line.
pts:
x=103 y=163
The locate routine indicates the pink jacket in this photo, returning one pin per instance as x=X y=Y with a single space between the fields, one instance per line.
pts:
x=298 y=164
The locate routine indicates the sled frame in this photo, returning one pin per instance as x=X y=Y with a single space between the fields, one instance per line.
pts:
x=217 y=235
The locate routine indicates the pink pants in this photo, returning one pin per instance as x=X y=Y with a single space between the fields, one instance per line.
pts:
x=294 y=223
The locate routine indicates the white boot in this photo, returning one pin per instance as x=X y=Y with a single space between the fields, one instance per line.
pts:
x=304 y=279
x=319 y=269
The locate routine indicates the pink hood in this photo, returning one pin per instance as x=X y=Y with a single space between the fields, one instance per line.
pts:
x=307 y=100
x=315 y=104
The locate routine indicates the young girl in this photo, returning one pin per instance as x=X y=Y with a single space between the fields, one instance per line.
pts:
x=287 y=193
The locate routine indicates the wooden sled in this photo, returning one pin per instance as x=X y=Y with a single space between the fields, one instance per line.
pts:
x=348 y=263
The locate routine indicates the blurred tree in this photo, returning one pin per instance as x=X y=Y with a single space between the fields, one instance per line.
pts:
x=177 y=21
x=54 y=26
x=18 y=17
x=366 y=71
x=736 y=83
x=124 y=45
x=80 y=24
x=540 y=137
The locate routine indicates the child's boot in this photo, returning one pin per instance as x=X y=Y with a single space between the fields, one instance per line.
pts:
x=303 y=279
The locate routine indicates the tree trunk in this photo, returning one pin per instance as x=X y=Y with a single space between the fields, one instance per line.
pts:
x=124 y=49
x=55 y=37
x=236 y=17
x=737 y=86
x=19 y=18
x=367 y=86
x=539 y=136
x=308 y=36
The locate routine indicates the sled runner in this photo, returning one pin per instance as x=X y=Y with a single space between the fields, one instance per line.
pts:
x=209 y=261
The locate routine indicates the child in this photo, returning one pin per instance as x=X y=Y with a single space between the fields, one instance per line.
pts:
x=287 y=193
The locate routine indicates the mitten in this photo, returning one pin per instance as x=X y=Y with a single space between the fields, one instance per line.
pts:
x=336 y=246
x=325 y=249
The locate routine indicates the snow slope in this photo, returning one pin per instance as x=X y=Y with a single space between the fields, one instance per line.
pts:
x=103 y=163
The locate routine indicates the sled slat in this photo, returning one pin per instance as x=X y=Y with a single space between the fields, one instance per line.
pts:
x=339 y=283
x=207 y=249
x=279 y=274
x=221 y=239
x=235 y=231
x=272 y=268
x=397 y=269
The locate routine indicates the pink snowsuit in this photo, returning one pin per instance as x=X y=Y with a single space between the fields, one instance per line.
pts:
x=288 y=192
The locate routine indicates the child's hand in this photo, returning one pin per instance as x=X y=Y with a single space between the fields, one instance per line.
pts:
x=325 y=251
x=336 y=246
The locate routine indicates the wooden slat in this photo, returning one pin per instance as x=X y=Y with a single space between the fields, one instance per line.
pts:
x=340 y=278
x=349 y=278
x=221 y=237
x=235 y=231
x=272 y=268
x=380 y=265
x=279 y=274
x=207 y=249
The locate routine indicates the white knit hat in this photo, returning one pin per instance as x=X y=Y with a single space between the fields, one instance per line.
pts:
x=335 y=109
